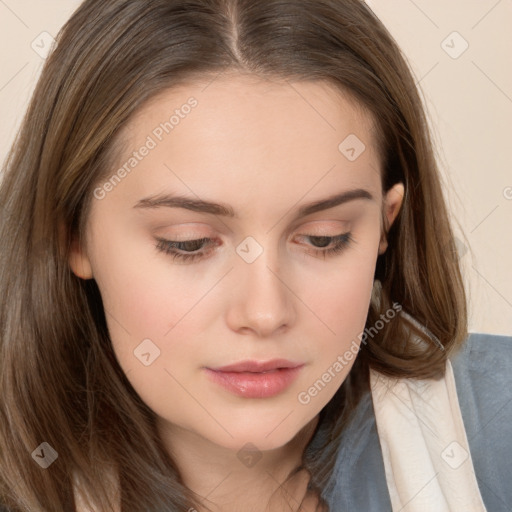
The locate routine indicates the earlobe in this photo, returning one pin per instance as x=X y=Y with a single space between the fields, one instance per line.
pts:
x=392 y=204
x=79 y=262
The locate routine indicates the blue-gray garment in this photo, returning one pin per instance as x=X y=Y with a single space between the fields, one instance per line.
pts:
x=483 y=379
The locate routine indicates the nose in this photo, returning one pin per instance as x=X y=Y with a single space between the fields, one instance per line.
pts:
x=262 y=301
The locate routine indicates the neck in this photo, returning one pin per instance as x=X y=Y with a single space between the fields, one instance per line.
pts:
x=223 y=483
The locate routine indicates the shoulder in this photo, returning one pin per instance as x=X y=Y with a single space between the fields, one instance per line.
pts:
x=484 y=348
x=358 y=478
x=483 y=379
x=482 y=375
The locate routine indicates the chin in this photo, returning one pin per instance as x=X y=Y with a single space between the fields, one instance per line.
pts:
x=264 y=438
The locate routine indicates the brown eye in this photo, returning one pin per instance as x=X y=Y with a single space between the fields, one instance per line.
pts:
x=175 y=248
x=338 y=243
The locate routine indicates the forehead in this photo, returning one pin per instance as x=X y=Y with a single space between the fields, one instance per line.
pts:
x=247 y=136
x=248 y=104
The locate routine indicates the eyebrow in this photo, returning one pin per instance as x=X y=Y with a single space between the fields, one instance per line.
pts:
x=224 y=210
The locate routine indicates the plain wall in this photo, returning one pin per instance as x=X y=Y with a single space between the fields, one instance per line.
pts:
x=460 y=53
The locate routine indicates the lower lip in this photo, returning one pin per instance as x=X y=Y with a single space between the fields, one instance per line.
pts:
x=255 y=385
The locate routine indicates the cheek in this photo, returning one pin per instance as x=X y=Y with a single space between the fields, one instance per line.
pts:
x=341 y=303
x=341 y=299
x=147 y=297
x=135 y=298
x=137 y=285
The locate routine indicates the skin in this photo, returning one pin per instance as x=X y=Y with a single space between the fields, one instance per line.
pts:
x=264 y=148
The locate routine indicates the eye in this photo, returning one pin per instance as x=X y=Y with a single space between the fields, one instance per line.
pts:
x=173 y=248
x=191 y=250
x=338 y=244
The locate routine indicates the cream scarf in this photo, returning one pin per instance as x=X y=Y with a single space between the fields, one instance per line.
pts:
x=426 y=455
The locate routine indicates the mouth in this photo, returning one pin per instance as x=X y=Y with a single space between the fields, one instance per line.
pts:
x=252 y=366
x=253 y=379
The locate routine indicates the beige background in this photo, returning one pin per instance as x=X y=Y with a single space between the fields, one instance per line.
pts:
x=468 y=95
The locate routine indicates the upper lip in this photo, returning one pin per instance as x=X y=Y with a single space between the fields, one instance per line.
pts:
x=257 y=366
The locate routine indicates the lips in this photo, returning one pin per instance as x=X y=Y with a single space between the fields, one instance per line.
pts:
x=256 y=379
x=257 y=366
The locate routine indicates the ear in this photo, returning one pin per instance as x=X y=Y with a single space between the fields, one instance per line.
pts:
x=392 y=203
x=79 y=261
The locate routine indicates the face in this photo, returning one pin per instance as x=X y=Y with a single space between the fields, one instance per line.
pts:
x=189 y=287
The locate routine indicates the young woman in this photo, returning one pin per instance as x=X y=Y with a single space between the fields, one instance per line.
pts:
x=228 y=277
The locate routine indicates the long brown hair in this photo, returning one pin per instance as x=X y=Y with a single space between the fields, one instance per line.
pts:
x=60 y=382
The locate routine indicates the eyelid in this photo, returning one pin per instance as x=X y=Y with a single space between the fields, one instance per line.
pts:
x=321 y=229
x=334 y=224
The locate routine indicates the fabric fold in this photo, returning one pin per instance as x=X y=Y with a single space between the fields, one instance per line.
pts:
x=424 y=445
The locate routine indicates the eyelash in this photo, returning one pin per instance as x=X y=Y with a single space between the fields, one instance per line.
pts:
x=341 y=242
